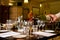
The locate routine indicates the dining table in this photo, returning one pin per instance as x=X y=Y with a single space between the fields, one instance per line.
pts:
x=39 y=35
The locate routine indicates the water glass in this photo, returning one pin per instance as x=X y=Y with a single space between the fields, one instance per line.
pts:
x=35 y=28
x=26 y=30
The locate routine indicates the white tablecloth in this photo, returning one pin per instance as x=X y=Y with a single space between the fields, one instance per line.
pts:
x=8 y=34
x=44 y=34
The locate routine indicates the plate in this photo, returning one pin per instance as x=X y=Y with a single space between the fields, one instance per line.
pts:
x=1 y=31
x=49 y=31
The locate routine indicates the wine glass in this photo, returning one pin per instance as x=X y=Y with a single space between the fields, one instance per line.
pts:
x=40 y=27
x=43 y=25
x=9 y=24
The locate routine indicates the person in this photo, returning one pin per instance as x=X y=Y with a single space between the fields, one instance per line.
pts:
x=51 y=18
x=30 y=16
x=57 y=15
x=52 y=21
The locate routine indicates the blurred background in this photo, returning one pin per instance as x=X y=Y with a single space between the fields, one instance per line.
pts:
x=11 y=9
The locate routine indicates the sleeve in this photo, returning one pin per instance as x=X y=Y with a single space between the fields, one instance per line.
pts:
x=57 y=15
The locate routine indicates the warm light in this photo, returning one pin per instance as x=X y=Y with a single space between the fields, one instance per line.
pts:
x=25 y=1
x=10 y=4
x=11 y=1
x=40 y=5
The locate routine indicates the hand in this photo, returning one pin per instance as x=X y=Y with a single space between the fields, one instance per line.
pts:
x=52 y=18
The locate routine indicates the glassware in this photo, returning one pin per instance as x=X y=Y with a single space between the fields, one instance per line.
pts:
x=36 y=28
x=9 y=24
x=33 y=27
x=40 y=27
x=43 y=25
x=38 y=22
x=26 y=30
x=0 y=26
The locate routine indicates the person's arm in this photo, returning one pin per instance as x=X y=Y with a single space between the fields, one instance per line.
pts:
x=57 y=15
x=51 y=17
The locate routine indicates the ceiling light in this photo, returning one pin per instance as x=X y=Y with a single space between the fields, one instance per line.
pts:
x=25 y=1
x=10 y=4
x=40 y=5
x=11 y=1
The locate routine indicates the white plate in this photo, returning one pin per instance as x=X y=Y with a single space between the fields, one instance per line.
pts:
x=3 y=30
x=19 y=36
x=49 y=31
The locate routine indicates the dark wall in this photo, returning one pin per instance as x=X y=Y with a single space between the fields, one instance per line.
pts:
x=4 y=13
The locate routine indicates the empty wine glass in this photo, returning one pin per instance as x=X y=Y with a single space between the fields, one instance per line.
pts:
x=43 y=25
x=40 y=27
x=38 y=22
x=36 y=28
x=9 y=24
